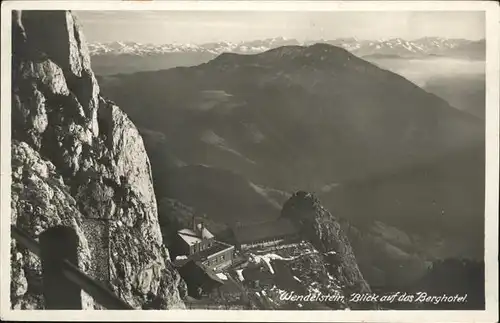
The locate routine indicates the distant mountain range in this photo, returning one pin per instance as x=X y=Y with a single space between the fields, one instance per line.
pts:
x=396 y=47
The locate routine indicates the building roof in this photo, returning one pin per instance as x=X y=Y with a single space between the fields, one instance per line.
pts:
x=191 y=237
x=263 y=231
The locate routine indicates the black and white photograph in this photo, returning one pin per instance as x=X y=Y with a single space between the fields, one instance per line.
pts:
x=245 y=161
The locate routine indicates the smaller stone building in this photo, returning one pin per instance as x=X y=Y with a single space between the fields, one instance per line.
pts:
x=199 y=244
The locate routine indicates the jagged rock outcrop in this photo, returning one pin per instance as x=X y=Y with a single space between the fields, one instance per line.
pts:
x=320 y=227
x=78 y=160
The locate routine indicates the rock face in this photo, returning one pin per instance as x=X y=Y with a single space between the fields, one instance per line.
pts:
x=78 y=160
x=320 y=227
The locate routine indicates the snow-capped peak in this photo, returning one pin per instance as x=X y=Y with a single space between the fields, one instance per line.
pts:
x=383 y=46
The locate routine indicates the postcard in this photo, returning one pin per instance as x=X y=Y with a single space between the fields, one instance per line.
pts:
x=248 y=161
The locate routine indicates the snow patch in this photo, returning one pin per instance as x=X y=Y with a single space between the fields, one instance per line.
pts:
x=262 y=192
x=222 y=276
x=329 y=187
x=211 y=138
x=266 y=258
x=240 y=274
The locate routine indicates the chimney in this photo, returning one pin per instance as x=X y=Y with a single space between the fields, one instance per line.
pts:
x=194 y=223
x=202 y=226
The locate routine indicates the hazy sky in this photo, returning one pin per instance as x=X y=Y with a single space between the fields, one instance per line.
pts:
x=208 y=26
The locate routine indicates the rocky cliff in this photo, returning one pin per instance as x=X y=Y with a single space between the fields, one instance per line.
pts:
x=78 y=160
x=320 y=227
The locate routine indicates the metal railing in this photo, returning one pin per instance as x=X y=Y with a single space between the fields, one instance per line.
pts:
x=55 y=262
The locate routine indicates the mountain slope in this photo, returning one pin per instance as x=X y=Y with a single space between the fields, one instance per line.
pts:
x=316 y=112
x=78 y=160
x=223 y=196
